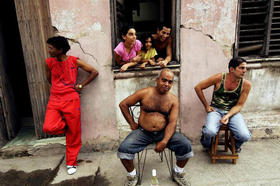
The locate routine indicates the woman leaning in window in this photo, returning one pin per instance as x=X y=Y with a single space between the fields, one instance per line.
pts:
x=127 y=53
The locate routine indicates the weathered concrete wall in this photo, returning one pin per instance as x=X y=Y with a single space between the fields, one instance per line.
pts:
x=264 y=94
x=214 y=18
x=207 y=35
x=198 y=63
x=262 y=109
x=126 y=86
x=88 y=22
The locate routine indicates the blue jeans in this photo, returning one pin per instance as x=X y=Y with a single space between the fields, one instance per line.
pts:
x=138 y=139
x=236 y=124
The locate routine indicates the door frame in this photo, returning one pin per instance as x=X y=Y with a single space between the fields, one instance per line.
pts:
x=35 y=27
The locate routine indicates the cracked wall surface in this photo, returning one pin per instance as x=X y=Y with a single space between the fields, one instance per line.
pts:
x=216 y=18
x=207 y=34
x=204 y=51
x=201 y=58
x=201 y=19
x=206 y=37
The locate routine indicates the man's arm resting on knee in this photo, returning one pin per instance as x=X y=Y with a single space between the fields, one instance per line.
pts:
x=241 y=101
x=128 y=102
x=213 y=80
x=170 y=127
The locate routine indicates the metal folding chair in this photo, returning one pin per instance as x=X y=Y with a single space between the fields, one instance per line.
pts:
x=141 y=156
x=141 y=161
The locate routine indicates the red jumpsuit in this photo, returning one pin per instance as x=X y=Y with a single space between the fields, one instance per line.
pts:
x=64 y=101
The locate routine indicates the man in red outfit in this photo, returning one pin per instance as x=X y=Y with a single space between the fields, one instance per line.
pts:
x=64 y=100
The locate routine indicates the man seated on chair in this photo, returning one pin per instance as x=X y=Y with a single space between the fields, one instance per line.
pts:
x=230 y=93
x=157 y=123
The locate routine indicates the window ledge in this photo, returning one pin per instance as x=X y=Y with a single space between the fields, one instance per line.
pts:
x=263 y=63
x=148 y=71
x=257 y=60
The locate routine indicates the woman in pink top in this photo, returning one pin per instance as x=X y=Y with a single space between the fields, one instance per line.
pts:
x=127 y=53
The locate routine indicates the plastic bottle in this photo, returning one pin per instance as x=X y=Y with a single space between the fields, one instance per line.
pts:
x=154 y=180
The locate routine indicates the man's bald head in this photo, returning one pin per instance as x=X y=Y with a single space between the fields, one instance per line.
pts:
x=165 y=81
x=165 y=70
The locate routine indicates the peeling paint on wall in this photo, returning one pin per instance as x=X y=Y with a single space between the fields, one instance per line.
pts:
x=93 y=1
x=264 y=94
x=206 y=42
x=96 y=27
x=65 y=21
x=217 y=19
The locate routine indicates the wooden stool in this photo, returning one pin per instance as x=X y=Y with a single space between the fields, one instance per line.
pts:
x=229 y=143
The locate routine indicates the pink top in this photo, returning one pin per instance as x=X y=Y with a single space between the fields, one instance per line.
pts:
x=120 y=50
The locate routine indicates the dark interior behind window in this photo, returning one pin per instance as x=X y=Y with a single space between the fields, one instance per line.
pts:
x=144 y=15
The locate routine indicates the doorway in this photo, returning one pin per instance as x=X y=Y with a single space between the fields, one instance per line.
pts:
x=14 y=68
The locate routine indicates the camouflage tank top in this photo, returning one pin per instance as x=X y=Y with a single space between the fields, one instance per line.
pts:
x=224 y=99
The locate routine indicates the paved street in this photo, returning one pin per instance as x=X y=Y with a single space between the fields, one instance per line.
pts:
x=258 y=164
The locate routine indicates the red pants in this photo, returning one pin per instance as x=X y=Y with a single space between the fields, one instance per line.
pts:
x=54 y=124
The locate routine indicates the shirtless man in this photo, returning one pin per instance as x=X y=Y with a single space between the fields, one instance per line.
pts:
x=229 y=96
x=157 y=123
x=163 y=45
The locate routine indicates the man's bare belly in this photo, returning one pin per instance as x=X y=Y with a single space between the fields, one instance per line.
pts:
x=152 y=121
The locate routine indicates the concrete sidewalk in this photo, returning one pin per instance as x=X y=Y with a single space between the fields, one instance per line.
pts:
x=258 y=164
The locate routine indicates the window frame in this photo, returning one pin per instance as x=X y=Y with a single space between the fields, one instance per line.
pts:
x=175 y=34
x=264 y=56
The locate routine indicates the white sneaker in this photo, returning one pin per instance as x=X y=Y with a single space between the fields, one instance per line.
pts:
x=71 y=169
x=181 y=179
x=131 y=180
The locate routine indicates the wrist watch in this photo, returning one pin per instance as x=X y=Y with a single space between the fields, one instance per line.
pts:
x=80 y=86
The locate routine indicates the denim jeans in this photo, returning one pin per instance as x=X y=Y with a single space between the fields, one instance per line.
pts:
x=138 y=139
x=236 y=124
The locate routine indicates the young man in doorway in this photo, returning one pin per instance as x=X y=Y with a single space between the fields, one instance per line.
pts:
x=64 y=101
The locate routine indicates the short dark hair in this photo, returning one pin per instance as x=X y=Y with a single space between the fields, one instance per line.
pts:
x=235 y=62
x=59 y=42
x=161 y=25
x=144 y=37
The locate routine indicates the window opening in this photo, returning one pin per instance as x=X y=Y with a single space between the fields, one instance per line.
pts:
x=145 y=15
x=258 y=29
